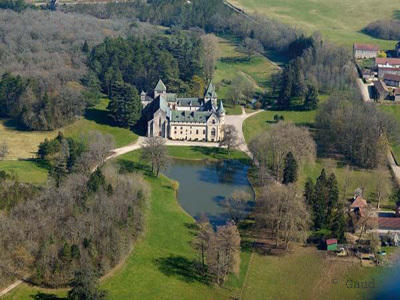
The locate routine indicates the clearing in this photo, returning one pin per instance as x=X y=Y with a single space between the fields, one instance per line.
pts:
x=340 y=21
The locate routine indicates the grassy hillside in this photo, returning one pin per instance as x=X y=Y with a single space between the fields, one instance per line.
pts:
x=231 y=63
x=340 y=21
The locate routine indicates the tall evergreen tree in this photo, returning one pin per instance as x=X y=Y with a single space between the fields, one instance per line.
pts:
x=290 y=169
x=333 y=198
x=125 y=106
x=85 y=286
x=287 y=82
x=309 y=192
x=320 y=201
x=311 y=99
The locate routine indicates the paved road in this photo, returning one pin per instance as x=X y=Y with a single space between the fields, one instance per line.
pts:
x=364 y=90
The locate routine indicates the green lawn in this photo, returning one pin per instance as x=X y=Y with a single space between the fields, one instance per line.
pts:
x=340 y=21
x=304 y=274
x=202 y=153
x=97 y=119
x=26 y=171
x=262 y=121
x=231 y=63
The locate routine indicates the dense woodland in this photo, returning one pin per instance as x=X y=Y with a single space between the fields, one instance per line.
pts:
x=45 y=81
x=356 y=129
x=81 y=220
x=384 y=29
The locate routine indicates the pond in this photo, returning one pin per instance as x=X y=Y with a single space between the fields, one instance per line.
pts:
x=204 y=185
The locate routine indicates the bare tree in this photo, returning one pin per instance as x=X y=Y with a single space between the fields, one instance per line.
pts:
x=210 y=55
x=230 y=138
x=237 y=204
x=382 y=186
x=223 y=255
x=202 y=241
x=251 y=47
x=281 y=214
x=155 y=152
x=4 y=150
x=271 y=147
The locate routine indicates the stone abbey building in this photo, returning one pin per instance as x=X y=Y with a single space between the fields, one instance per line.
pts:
x=189 y=119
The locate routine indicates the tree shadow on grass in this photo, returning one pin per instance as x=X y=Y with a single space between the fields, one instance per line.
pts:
x=127 y=166
x=180 y=267
x=44 y=296
x=396 y=14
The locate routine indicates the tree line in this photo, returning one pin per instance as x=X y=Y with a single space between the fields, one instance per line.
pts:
x=384 y=29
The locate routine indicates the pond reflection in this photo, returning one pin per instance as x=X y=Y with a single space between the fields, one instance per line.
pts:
x=204 y=185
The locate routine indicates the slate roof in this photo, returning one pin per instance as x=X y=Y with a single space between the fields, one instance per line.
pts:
x=190 y=116
x=169 y=97
x=221 y=109
x=210 y=93
x=187 y=102
x=160 y=87
x=366 y=47
x=380 y=86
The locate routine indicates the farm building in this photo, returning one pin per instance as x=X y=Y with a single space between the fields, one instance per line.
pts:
x=392 y=80
x=365 y=50
x=388 y=62
x=331 y=244
x=381 y=91
x=382 y=70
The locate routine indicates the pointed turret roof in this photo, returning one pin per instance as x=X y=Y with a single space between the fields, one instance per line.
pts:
x=160 y=87
x=143 y=93
x=210 y=93
x=221 y=109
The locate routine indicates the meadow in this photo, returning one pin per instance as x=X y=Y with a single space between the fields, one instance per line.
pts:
x=232 y=63
x=340 y=21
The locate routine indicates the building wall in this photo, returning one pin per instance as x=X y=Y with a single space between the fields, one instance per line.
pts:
x=383 y=71
x=187 y=108
x=392 y=83
x=188 y=131
x=365 y=54
x=159 y=126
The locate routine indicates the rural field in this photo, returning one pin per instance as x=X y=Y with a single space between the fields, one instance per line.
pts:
x=340 y=21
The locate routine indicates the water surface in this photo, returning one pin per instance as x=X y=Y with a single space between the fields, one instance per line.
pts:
x=204 y=185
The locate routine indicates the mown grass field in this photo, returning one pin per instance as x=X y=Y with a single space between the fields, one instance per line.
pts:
x=340 y=21
x=232 y=63
x=305 y=274
x=23 y=144
x=26 y=171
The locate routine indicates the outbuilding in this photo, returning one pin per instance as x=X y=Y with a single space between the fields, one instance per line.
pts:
x=331 y=244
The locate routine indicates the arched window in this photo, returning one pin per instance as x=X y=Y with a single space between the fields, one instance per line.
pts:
x=213 y=132
x=213 y=121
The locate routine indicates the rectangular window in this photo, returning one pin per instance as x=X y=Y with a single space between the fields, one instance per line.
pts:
x=204 y=132
x=197 y=131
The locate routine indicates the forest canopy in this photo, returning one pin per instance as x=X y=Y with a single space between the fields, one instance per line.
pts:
x=45 y=82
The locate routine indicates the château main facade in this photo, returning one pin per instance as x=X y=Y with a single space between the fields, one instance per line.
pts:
x=189 y=119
